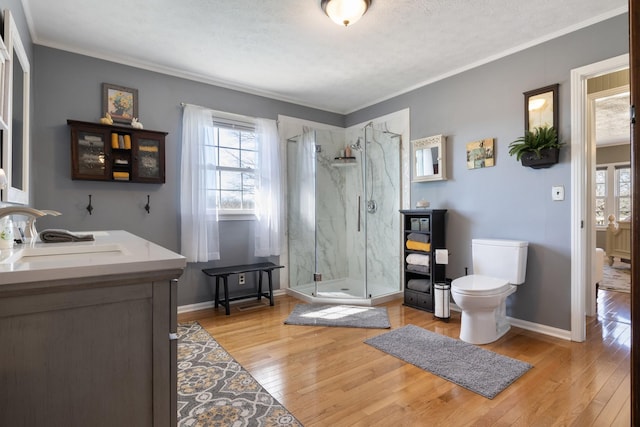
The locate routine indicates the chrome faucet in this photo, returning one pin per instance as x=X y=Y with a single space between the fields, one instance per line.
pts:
x=30 y=232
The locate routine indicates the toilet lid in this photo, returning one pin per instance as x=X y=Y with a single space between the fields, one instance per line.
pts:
x=475 y=284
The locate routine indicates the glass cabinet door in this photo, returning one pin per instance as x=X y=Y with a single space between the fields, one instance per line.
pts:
x=90 y=155
x=148 y=159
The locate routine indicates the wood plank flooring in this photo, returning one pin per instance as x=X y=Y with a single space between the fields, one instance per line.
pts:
x=329 y=377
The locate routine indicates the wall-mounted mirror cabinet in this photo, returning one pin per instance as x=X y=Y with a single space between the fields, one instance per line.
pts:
x=428 y=159
x=16 y=108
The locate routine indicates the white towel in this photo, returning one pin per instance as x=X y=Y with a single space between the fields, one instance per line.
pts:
x=418 y=259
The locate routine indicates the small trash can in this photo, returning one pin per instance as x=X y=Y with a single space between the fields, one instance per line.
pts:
x=441 y=295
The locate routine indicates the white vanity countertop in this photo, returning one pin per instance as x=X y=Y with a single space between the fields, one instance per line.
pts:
x=112 y=252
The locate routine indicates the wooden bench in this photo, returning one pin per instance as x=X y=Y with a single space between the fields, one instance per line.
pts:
x=224 y=273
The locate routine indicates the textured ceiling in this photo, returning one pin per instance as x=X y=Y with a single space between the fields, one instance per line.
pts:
x=290 y=50
x=613 y=119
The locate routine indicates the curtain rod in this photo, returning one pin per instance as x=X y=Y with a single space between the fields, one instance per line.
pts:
x=184 y=104
x=235 y=121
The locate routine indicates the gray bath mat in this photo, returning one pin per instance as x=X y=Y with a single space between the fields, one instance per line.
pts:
x=474 y=368
x=348 y=316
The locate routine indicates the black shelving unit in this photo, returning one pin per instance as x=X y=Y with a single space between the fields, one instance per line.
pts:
x=430 y=222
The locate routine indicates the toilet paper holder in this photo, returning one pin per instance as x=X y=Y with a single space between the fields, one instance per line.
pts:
x=442 y=256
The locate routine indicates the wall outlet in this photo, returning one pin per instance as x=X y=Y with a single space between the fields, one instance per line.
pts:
x=241 y=279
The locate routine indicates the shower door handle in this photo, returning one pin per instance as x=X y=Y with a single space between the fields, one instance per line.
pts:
x=358 y=213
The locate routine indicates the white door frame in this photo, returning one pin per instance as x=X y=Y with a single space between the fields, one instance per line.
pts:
x=590 y=297
x=582 y=164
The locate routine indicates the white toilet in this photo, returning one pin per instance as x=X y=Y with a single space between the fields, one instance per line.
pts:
x=498 y=265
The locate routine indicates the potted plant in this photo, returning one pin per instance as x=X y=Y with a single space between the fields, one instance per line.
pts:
x=537 y=149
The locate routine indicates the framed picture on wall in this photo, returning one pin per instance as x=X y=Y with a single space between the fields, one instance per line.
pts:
x=120 y=102
x=480 y=154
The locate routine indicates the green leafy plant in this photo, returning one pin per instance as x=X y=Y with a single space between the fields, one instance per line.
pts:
x=534 y=142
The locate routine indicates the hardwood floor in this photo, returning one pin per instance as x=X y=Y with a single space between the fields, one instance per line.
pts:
x=329 y=377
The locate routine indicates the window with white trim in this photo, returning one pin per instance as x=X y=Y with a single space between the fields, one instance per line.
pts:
x=613 y=192
x=235 y=153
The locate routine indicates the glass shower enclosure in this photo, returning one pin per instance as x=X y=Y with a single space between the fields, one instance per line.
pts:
x=343 y=220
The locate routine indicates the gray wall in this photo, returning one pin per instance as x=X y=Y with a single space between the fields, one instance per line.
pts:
x=68 y=86
x=507 y=200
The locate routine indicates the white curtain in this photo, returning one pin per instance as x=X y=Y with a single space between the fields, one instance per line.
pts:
x=198 y=219
x=268 y=208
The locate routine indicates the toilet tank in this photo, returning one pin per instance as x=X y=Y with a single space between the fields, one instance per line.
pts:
x=502 y=259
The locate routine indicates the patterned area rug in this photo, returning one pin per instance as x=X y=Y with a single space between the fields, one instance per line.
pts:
x=214 y=390
x=616 y=277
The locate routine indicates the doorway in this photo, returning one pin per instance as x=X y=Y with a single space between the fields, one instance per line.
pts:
x=582 y=182
x=608 y=100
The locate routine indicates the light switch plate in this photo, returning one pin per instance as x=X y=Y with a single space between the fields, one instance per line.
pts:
x=557 y=192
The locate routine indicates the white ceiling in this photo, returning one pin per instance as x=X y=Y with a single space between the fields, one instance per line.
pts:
x=290 y=50
x=612 y=117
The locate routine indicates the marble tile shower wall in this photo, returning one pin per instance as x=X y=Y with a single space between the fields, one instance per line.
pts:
x=383 y=227
x=338 y=244
x=301 y=217
x=381 y=170
x=326 y=242
x=331 y=208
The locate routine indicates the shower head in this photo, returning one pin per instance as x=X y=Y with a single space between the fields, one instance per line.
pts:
x=357 y=145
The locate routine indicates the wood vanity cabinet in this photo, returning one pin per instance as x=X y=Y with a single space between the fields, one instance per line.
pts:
x=116 y=153
x=93 y=351
x=431 y=224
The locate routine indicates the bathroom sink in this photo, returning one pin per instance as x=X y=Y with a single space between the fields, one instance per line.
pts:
x=112 y=253
x=75 y=252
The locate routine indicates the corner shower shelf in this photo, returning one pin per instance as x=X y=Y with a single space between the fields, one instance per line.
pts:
x=344 y=161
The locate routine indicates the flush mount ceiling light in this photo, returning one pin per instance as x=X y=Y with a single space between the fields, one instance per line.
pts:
x=345 y=12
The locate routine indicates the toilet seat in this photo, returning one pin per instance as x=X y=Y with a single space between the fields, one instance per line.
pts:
x=478 y=285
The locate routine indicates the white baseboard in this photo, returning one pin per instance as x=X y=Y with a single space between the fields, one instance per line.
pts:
x=541 y=329
x=209 y=304
x=195 y=307
x=533 y=327
x=529 y=326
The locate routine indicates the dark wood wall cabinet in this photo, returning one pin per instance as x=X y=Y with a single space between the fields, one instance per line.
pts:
x=116 y=153
x=423 y=233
